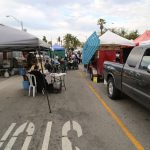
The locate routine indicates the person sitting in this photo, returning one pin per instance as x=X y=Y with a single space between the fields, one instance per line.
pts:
x=56 y=65
x=48 y=66
x=41 y=83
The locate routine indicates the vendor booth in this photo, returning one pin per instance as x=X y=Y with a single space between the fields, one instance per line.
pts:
x=108 y=47
x=113 y=48
x=15 y=40
x=58 y=50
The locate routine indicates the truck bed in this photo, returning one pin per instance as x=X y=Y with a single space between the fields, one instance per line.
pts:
x=113 y=69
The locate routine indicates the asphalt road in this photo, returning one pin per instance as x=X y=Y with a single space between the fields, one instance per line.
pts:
x=82 y=118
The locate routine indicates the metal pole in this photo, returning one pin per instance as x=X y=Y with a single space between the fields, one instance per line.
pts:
x=44 y=83
x=21 y=23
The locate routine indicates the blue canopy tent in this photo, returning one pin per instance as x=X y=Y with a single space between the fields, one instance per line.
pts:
x=90 y=48
x=58 y=50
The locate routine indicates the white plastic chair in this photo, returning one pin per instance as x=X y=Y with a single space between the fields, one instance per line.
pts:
x=33 y=84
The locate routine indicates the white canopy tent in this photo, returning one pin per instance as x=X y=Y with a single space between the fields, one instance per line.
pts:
x=12 y=39
x=109 y=38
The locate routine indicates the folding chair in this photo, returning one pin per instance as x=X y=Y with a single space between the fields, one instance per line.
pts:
x=33 y=84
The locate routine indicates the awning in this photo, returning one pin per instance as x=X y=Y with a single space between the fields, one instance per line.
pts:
x=57 y=47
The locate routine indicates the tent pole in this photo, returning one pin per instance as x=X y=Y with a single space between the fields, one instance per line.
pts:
x=44 y=82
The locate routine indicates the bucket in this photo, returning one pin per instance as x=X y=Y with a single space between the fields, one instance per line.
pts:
x=22 y=71
x=25 y=85
x=95 y=79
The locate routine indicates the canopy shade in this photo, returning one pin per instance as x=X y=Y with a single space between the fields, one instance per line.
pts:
x=143 y=38
x=110 y=38
x=57 y=47
x=13 y=39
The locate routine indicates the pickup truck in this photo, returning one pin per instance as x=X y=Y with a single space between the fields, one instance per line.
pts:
x=131 y=78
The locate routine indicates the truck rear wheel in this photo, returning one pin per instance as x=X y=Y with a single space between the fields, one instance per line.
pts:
x=112 y=91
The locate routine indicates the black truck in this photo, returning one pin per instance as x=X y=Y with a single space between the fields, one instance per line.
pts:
x=131 y=78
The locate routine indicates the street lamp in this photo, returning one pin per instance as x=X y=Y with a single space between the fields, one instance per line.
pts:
x=21 y=23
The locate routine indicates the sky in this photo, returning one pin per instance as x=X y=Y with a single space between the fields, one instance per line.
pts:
x=54 y=18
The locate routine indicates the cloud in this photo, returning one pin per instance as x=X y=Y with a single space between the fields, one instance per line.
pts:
x=120 y=2
x=55 y=18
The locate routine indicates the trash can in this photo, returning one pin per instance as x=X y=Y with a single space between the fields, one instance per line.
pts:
x=95 y=79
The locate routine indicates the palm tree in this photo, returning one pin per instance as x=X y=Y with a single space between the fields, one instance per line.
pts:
x=50 y=43
x=67 y=41
x=44 y=39
x=101 y=23
x=59 y=40
x=71 y=42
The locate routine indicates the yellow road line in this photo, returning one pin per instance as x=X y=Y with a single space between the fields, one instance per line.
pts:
x=131 y=137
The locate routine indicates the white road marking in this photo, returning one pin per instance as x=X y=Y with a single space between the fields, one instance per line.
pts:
x=77 y=148
x=11 y=143
x=66 y=128
x=15 y=136
x=66 y=144
x=26 y=143
x=1 y=143
x=30 y=131
x=47 y=136
x=5 y=136
x=77 y=127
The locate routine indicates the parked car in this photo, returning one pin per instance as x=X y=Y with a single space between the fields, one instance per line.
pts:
x=131 y=78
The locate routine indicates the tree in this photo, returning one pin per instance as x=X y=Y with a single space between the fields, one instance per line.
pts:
x=133 y=35
x=71 y=42
x=50 y=43
x=101 y=23
x=58 y=40
x=44 y=39
x=124 y=33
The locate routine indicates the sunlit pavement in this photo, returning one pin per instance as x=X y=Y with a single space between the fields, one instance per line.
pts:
x=78 y=120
